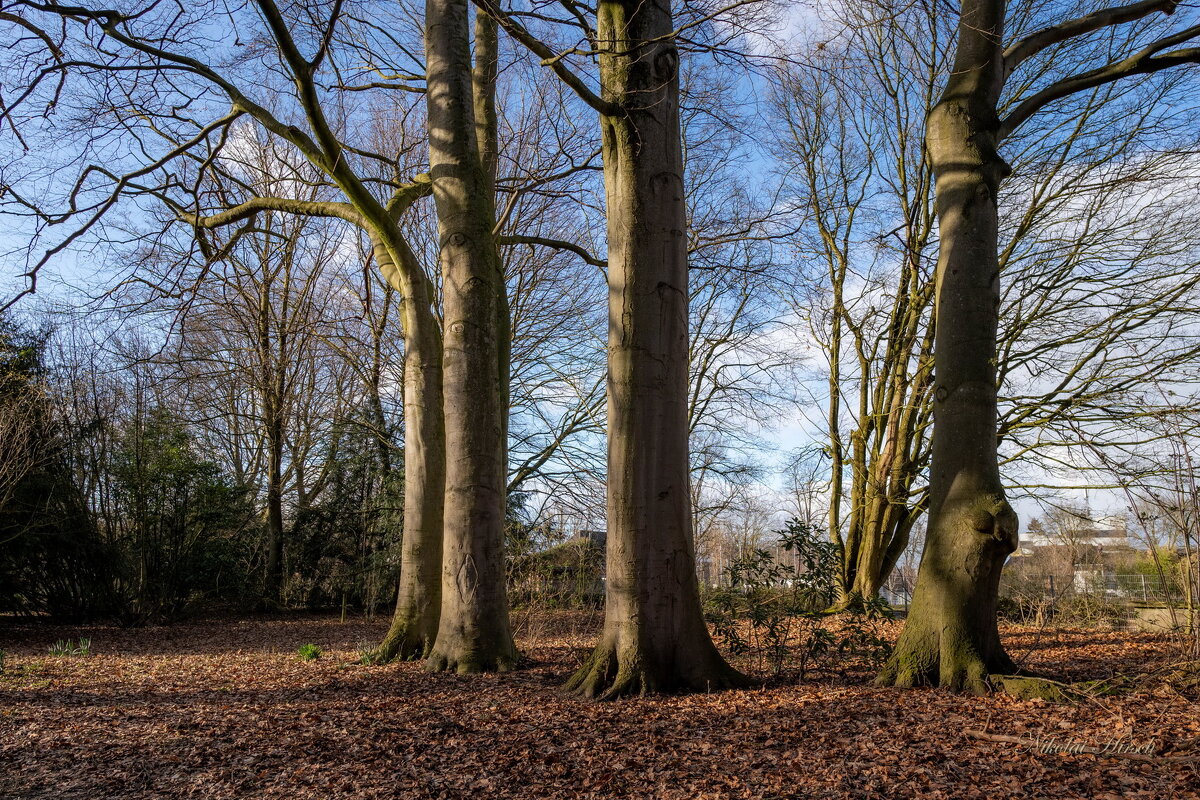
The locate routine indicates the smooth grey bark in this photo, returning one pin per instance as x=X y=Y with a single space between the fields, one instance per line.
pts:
x=418 y=600
x=487 y=139
x=474 y=634
x=951 y=638
x=655 y=638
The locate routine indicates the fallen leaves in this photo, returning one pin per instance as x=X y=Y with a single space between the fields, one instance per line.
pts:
x=226 y=709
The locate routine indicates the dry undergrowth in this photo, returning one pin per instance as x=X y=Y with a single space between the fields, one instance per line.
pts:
x=227 y=709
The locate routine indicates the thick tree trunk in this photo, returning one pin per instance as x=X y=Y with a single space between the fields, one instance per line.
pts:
x=950 y=638
x=474 y=634
x=654 y=638
x=418 y=601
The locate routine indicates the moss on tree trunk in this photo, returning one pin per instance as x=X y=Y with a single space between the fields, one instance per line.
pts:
x=950 y=638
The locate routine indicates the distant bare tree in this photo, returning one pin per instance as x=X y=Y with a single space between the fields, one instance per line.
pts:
x=24 y=414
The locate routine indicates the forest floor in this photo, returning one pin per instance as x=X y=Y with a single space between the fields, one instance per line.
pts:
x=227 y=709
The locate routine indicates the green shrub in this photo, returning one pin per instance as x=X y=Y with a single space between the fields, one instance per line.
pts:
x=775 y=613
x=69 y=648
x=309 y=652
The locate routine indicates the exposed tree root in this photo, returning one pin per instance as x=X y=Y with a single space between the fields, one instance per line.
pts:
x=466 y=662
x=606 y=676
x=1027 y=688
x=403 y=643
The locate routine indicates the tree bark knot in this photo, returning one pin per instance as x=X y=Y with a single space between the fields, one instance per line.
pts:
x=666 y=64
x=994 y=517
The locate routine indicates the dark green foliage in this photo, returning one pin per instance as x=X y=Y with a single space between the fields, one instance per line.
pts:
x=772 y=611
x=522 y=538
x=1159 y=575
x=345 y=548
x=180 y=528
x=51 y=560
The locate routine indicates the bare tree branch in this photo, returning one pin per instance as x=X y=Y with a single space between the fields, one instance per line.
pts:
x=549 y=58
x=1142 y=62
x=557 y=244
x=1036 y=42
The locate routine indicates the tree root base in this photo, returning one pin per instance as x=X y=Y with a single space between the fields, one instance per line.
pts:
x=472 y=664
x=1029 y=688
x=604 y=677
x=401 y=645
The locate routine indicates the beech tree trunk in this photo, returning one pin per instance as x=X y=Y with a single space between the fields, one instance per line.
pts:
x=951 y=638
x=487 y=139
x=474 y=634
x=418 y=601
x=655 y=638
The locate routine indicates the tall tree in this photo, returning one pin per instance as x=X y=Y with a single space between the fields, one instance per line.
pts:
x=851 y=128
x=655 y=638
x=474 y=633
x=259 y=317
x=951 y=636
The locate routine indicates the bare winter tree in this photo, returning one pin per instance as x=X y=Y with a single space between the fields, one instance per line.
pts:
x=741 y=382
x=271 y=308
x=254 y=351
x=654 y=635
x=852 y=127
x=1097 y=255
x=24 y=437
x=950 y=637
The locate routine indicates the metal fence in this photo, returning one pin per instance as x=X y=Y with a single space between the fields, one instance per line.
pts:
x=1085 y=592
x=1134 y=587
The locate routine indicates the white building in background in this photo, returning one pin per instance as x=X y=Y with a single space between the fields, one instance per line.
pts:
x=1108 y=533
